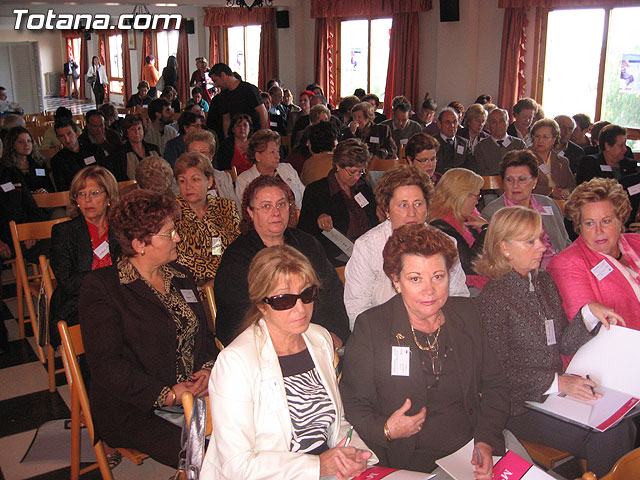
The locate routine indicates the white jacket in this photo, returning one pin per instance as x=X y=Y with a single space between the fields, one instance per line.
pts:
x=251 y=423
x=101 y=72
x=285 y=171
x=224 y=187
x=366 y=284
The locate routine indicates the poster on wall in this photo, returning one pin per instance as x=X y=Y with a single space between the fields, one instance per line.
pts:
x=630 y=73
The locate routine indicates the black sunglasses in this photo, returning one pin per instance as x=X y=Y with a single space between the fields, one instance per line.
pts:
x=288 y=300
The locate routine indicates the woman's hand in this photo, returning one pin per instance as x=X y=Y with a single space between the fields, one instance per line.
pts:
x=483 y=461
x=353 y=126
x=606 y=315
x=577 y=387
x=325 y=222
x=200 y=381
x=475 y=221
x=343 y=462
x=404 y=426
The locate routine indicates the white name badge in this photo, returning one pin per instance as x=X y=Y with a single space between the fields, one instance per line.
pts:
x=106 y=154
x=544 y=169
x=216 y=246
x=101 y=250
x=273 y=124
x=40 y=172
x=189 y=296
x=90 y=160
x=606 y=168
x=362 y=201
x=374 y=140
x=460 y=150
x=602 y=269
x=400 y=357
x=403 y=141
x=550 y=331
x=7 y=187
x=212 y=192
x=547 y=210
x=634 y=190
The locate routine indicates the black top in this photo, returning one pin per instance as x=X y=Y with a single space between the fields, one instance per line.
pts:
x=466 y=253
x=592 y=166
x=38 y=177
x=108 y=154
x=225 y=154
x=232 y=289
x=244 y=99
x=135 y=101
x=65 y=164
x=170 y=76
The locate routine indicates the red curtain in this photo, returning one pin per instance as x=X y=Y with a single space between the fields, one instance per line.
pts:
x=231 y=17
x=268 y=62
x=340 y=8
x=214 y=48
x=102 y=54
x=402 y=76
x=565 y=3
x=83 y=65
x=514 y=40
x=325 y=57
x=183 y=64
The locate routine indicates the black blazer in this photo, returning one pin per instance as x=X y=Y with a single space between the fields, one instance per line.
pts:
x=590 y=167
x=71 y=260
x=370 y=393
x=454 y=156
x=467 y=254
x=130 y=343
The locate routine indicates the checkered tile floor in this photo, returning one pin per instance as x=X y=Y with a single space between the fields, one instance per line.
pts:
x=77 y=107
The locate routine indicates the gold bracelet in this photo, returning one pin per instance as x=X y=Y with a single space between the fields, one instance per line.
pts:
x=174 y=396
x=387 y=432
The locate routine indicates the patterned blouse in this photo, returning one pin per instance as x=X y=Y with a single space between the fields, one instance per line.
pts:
x=203 y=241
x=184 y=318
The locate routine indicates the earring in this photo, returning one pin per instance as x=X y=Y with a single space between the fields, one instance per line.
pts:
x=108 y=204
x=142 y=253
x=506 y=254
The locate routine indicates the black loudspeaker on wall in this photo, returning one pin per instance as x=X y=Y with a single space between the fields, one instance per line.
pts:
x=189 y=27
x=282 y=19
x=449 y=10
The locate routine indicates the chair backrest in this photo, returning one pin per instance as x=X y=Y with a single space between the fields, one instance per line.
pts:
x=384 y=164
x=32 y=231
x=492 y=182
x=126 y=186
x=627 y=468
x=187 y=405
x=340 y=272
x=211 y=303
x=51 y=200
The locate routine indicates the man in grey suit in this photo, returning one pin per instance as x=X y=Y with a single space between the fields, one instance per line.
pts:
x=454 y=151
x=402 y=128
x=489 y=152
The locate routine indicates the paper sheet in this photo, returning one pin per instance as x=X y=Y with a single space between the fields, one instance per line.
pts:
x=342 y=242
x=458 y=464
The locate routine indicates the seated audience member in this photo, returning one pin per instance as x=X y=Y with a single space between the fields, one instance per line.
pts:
x=322 y=139
x=7 y=107
x=565 y=146
x=268 y=218
x=524 y=112
x=196 y=97
x=452 y=389
x=102 y=142
x=208 y=223
x=402 y=128
x=422 y=152
x=426 y=115
x=344 y=112
x=130 y=312
x=141 y=98
x=299 y=356
x=264 y=153
x=377 y=137
x=155 y=174
x=203 y=141
x=454 y=150
x=187 y=122
x=555 y=178
x=599 y=209
x=594 y=147
x=611 y=162
x=111 y=118
x=233 y=150
x=50 y=139
x=159 y=131
x=484 y=99
x=84 y=243
x=453 y=210
x=277 y=107
x=517 y=305
x=519 y=174
x=135 y=147
x=373 y=99
x=583 y=125
x=170 y=94
x=22 y=153
x=302 y=110
x=73 y=157
x=342 y=200
x=489 y=152
x=276 y=121
x=404 y=194
x=9 y=122
x=473 y=125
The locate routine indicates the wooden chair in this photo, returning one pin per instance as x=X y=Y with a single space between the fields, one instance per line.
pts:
x=187 y=405
x=493 y=182
x=29 y=285
x=561 y=204
x=52 y=200
x=627 y=468
x=38 y=131
x=340 y=272
x=72 y=346
x=384 y=164
x=126 y=186
x=211 y=303
x=550 y=457
x=48 y=281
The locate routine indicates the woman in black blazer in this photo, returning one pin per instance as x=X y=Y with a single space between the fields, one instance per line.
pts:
x=342 y=200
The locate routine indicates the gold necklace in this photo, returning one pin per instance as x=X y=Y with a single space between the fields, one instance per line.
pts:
x=430 y=346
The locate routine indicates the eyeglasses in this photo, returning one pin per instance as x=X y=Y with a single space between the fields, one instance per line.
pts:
x=359 y=173
x=92 y=194
x=287 y=301
x=513 y=181
x=425 y=160
x=172 y=235
x=268 y=207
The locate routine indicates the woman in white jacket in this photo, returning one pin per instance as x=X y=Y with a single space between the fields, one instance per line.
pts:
x=97 y=76
x=275 y=403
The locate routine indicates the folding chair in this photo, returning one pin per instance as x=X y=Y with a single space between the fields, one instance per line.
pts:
x=126 y=186
x=211 y=303
x=52 y=200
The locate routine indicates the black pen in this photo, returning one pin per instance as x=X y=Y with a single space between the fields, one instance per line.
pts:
x=593 y=391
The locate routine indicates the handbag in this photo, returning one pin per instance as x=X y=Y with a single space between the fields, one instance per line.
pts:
x=193 y=441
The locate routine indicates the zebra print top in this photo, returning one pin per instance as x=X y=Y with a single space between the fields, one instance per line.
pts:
x=310 y=407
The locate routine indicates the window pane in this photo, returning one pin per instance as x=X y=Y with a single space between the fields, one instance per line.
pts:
x=115 y=55
x=252 y=53
x=621 y=93
x=75 y=45
x=354 y=52
x=236 y=49
x=380 y=41
x=163 y=48
x=572 y=60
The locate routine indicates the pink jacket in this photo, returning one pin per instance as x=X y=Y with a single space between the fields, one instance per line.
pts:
x=571 y=270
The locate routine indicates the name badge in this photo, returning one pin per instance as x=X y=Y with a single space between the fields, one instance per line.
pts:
x=550 y=331
x=216 y=246
x=460 y=149
x=403 y=141
x=212 y=192
x=40 y=172
x=547 y=210
x=106 y=153
x=7 y=187
x=544 y=169
x=273 y=124
x=362 y=201
x=101 y=250
x=90 y=160
x=189 y=296
x=374 y=140
x=602 y=269
x=400 y=357
x=634 y=190
x=606 y=168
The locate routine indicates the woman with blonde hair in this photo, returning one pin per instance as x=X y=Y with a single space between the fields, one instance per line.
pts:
x=473 y=124
x=453 y=211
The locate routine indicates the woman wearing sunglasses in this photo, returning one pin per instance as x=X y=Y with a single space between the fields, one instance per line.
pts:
x=274 y=397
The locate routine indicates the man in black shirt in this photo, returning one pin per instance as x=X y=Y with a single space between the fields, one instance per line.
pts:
x=103 y=143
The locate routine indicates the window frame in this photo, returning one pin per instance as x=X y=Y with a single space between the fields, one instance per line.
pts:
x=113 y=78
x=225 y=47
